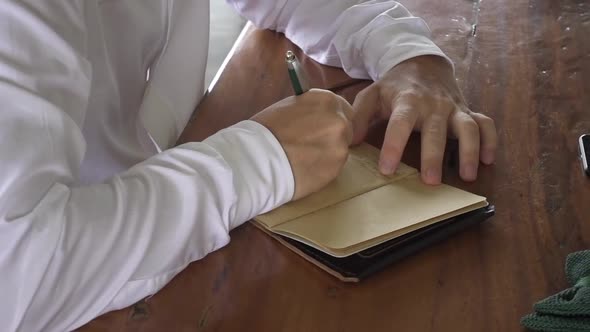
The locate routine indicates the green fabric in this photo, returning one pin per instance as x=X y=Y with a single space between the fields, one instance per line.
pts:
x=569 y=310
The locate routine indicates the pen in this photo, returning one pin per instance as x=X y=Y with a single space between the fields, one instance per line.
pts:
x=297 y=76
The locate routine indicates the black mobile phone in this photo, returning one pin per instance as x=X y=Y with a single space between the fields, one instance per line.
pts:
x=585 y=152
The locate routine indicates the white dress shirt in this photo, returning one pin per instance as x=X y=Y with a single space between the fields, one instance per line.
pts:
x=93 y=216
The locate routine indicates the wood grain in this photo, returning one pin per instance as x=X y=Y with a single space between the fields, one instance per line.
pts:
x=527 y=66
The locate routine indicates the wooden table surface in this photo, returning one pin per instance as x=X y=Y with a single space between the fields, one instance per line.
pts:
x=527 y=66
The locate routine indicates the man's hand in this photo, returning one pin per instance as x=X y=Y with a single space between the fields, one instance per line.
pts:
x=315 y=131
x=422 y=94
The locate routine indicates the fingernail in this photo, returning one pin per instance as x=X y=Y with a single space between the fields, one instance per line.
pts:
x=432 y=176
x=386 y=166
x=469 y=172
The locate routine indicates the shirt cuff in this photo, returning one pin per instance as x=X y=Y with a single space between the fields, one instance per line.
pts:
x=262 y=174
x=420 y=46
x=411 y=38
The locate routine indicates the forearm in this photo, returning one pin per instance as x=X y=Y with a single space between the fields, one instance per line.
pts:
x=108 y=245
x=365 y=38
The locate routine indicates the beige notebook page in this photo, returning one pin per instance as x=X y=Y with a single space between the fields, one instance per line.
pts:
x=377 y=213
x=359 y=175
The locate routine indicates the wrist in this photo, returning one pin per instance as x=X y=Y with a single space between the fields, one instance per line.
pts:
x=262 y=175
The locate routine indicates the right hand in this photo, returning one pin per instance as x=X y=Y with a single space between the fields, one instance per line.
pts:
x=315 y=131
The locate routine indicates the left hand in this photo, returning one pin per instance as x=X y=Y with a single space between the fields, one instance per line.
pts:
x=422 y=94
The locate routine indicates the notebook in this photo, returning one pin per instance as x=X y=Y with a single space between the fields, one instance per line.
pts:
x=363 y=210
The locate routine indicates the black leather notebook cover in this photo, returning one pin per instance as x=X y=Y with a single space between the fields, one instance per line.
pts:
x=365 y=263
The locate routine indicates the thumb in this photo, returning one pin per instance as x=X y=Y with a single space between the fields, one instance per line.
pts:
x=365 y=106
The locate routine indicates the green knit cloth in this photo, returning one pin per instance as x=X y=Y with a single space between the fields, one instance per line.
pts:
x=569 y=310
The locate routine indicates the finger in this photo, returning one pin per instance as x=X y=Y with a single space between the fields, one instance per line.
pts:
x=365 y=106
x=345 y=107
x=434 y=139
x=489 y=138
x=467 y=131
x=346 y=111
x=400 y=126
x=331 y=102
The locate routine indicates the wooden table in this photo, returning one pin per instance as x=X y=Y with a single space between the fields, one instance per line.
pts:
x=527 y=65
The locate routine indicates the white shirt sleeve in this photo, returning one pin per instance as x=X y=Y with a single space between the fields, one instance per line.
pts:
x=365 y=38
x=69 y=253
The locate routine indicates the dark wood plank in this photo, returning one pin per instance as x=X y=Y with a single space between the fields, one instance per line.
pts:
x=536 y=60
x=527 y=66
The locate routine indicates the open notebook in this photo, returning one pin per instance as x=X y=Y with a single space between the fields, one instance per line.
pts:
x=362 y=208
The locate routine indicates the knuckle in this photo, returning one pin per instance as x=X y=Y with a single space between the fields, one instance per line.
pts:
x=402 y=119
x=446 y=104
x=440 y=101
x=326 y=97
x=471 y=127
x=465 y=123
x=432 y=131
x=487 y=121
x=340 y=125
x=317 y=92
x=411 y=95
x=443 y=104
x=437 y=126
x=392 y=149
x=466 y=109
x=364 y=92
x=438 y=119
